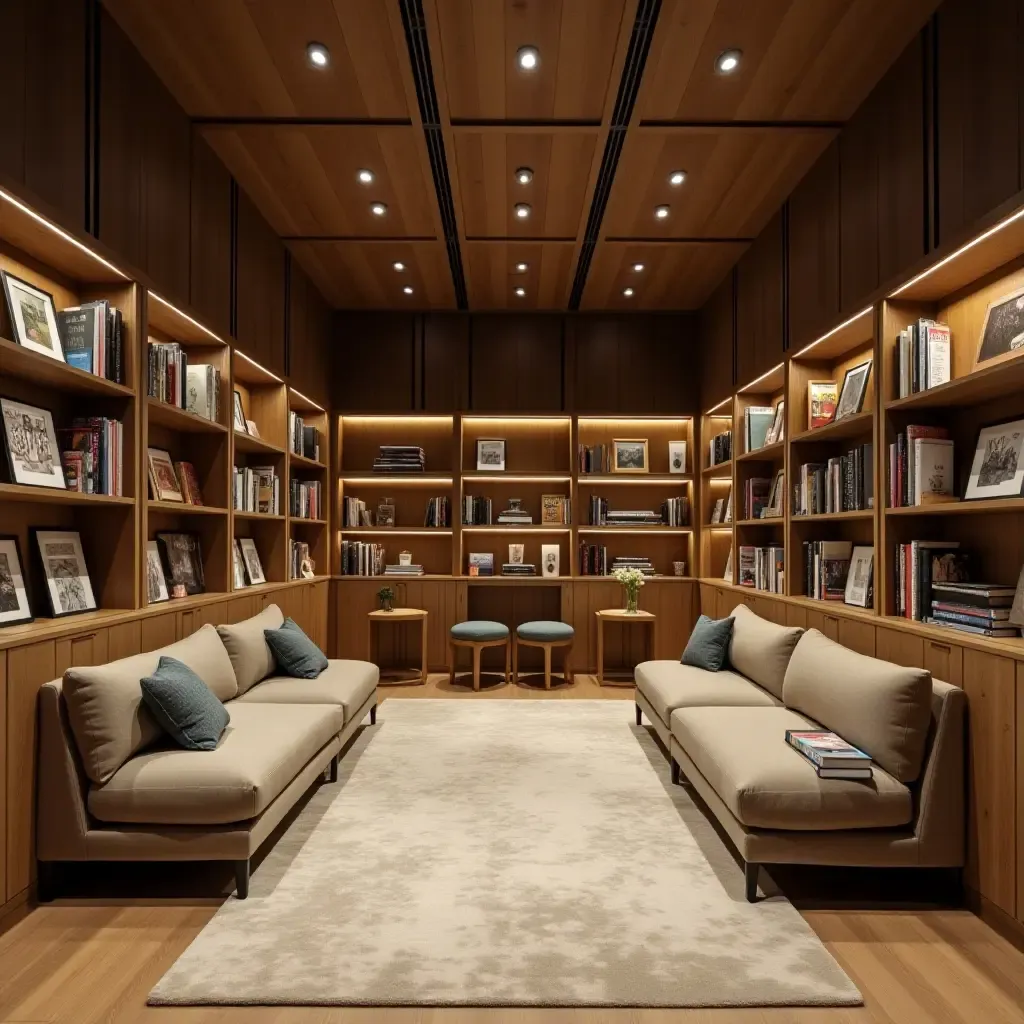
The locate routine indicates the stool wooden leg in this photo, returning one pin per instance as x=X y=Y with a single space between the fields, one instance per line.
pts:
x=476 y=666
x=508 y=659
x=567 y=666
x=451 y=663
x=515 y=660
x=547 y=666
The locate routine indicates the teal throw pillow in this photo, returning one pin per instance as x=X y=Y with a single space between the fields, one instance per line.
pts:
x=708 y=646
x=296 y=655
x=186 y=708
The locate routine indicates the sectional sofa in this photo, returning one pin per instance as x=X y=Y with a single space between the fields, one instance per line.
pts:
x=725 y=732
x=113 y=787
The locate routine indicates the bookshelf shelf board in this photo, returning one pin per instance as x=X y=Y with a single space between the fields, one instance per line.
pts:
x=959 y=508
x=768 y=383
x=984 y=384
x=55 y=496
x=723 y=527
x=768 y=521
x=396 y=531
x=768 y=453
x=408 y=480
x=425 y=576
x=841 y=607
x=248 y=443
x=515 y=581
x=826 y=517
x=306 y=521
x=24 y=364
x=507 y=528
x=42 y=628
x=193 y=600
x=181 y=419
x=258 y=515
x=302 y=462
x=179 y=325
x=655 y=479
x=184 y=508
x=298 y=402
x=636 y=529
x=251 y=373
x=850 y=426
x=479 y=476
x=719 y=469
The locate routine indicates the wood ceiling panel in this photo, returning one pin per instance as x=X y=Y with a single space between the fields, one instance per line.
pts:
x=488 y=190
x=304 y=177
x=247 y=58
x=361 y=275
x=736 y=179
x=492 y=278
x=675 y=275
x=576 y=40
x=802 y=59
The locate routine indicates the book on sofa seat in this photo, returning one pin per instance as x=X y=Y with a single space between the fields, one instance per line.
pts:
x=831 y=756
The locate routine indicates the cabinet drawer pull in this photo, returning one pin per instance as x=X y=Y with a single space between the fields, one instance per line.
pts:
x=831 y=618
x=83 y=636
x=939 y=647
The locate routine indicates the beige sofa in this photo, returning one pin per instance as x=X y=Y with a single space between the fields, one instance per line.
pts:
x=113 y=787
x=725 y=731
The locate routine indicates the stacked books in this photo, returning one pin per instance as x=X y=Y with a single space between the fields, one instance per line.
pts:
x=633 y=562
x=298 y=552
x=720 y=448
x=919 y=566
x=257 y=489
x=354 y=512
x=202 y=391
x=762 y=568
x=303 y=440
x=92 y=454
x=359 y=558
x=400 y=458
x=921 y=467
x=756 y=493
x=476 y=511
x=922 y=355
x=758 y=420
x=167 y=370
x=980 y=608
x=515 y=514
x=676 y=511
x=594 y=458
x=843 y=484
x=306 y=499
x=518 y=569
x=831 y=756
x=438 y=512
x=481 y=563
x=93 y=339
x=403 y=570
x=827 y=566
x=593 y=560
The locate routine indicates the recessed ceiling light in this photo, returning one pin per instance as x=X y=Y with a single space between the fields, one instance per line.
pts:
x=318 y=55
x=637 y=268
x=522 y=210
x=378 y=209
x=627 y=292
x=520 y=292
x=407 y=289
x=365 y=176
x=398 y=265
x=521 y=268
x=524 y=175
x=661 y=212
x=728 y=61
x=527 y=58
x=676 y=178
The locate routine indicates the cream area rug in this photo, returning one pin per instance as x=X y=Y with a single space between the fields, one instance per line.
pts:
x=504 y=853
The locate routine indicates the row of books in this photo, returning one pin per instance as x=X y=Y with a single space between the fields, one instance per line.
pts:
x=354 y=512
x=837 y=570
x=676 y=511
x=92 y=455
x=476 y=511
x=633 y=562
x=763 y=425
x=983 y=609
x=762 y=498
x=439 y=511
x=593 y=560
x=171 y=379
x=920 y=566
x=302 y=439
x=843 y=484
x=257 y=489
x=298 y=552
x=720 y=448
x=922 y=356
x=400 y=458
x=594 y=458
x=361 y=558
x=722 y=511
x=306 y=499
x=92 y=336
x=920 y=466
x=763 y=568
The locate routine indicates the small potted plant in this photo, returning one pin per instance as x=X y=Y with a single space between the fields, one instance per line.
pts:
x=386 y=596
x=632 y=580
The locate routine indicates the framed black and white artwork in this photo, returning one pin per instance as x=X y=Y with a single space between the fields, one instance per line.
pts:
x=238 y=566
x=31 y=444
x=33 y=317
x=1002 y=334
x=859 y=578
x=855 y=386
x=490 y=454
x=68 y=587
x=156 y=582
x=998 y=467
x=14 y=605
x=677 y=456
x=240 y=423
x=183 y=560
x=629 y=455
x=251 y=557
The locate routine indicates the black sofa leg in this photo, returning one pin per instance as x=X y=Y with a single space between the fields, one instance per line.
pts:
x=675 y=772
x=46 y=878
x=242 y=879
x=750 y=874
x=639 y=716
x=334 y=769
x=373 y=715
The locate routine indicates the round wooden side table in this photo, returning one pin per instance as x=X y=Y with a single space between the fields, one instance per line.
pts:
x=400 y=615
x=641 y=618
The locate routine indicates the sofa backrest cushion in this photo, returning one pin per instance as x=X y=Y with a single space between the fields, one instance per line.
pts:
x=884 y=709
x=708 y=646
x=250 y=654
x=760 y=650
x=104 y=702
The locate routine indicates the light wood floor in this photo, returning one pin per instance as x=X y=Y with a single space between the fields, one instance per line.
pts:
x=78 y=962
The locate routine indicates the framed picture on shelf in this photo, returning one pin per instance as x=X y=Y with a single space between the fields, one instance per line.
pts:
x=998 y=467
x=549 y=558
x=163 y=480
x=386 y=512
x=68 y=587
x=1002 y=334
x=33 y=317
x=251 y=557
x=490 y=455
x=237 y=565
x=33 y=458
x=240 y=423
x=156 y=582
x=184 y=561
x=776 y=431
x=855 y=387
x=251 y=429
x=552 y=509
x=677 y=456
x=629 y=455
x=821 y=403
x=14 y=605
x=859 y=579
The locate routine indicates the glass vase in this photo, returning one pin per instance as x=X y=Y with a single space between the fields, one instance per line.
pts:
x=631 y=602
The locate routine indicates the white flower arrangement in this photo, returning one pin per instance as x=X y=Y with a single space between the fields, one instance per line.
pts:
x=632 y=580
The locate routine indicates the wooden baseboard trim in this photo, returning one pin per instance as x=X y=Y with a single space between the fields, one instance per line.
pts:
x=16 y=909
x=995 y=917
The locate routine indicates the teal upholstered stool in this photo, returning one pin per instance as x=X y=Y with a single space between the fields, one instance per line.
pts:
x=477 y=634
x=547 y=635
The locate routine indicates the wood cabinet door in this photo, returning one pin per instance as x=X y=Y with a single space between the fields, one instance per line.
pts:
x=944 y=661
x=1020 y=791
x=240 y=608
x=188 y=622
x=709 y=600
x=858 y=636
x=823 y=622
x=3 y=788
x=796 y=616
x=159 y=630
x=89 y=648
x=899 y=647
x=211 y=614
x=990 y=684
x=124 y=640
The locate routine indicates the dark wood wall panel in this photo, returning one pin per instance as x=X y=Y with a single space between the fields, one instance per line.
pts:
x=445 y=366
x=759 y=327
x=310 y=330
x=259 y=327
x=516 y=363
x=210 y=271
x=716 y=351
x=374 y=359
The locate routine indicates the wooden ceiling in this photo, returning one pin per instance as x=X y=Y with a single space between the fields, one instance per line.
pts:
x=428 y=95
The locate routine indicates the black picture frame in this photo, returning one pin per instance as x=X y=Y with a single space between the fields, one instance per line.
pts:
x=840 y=414
x=972 y=484
x=55 y=351
x=12 y=471
x=55 y=613
x=1002 y=333
x=28 y=616
x=170 y=544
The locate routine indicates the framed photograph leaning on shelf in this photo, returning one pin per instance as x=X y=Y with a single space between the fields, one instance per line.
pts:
x=240 y=423
x=858 y=580
x=14 y=605
x=33 y=317
x=677 y=456
x=156 y=582
x=163 y=480
x=998 y=467
x=251 y=557
x=490 y=455
x=1002 y=334
x=68 y=586
x=33 y=458
x=238 y=565
x=184 y=560
x=629 y=455
x=855 y=387
x=821 y=402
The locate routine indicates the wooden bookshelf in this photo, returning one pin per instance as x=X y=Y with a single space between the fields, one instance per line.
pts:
x=716 y=539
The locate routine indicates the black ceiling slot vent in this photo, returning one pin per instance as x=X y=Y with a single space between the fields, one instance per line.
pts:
x=419 y=55
x=629 y=86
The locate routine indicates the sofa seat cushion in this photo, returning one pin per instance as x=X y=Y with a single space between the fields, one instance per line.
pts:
x=760 y=650
x=250 y=654
x=263 y=748
x=667 y=685
x=743 y=755
x=347 y=684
